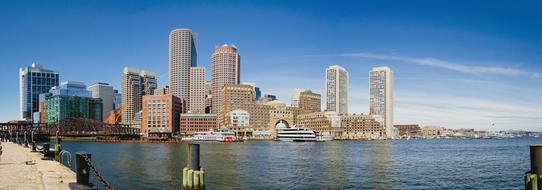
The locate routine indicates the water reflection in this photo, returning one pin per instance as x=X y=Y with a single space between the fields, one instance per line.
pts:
x=380 y=169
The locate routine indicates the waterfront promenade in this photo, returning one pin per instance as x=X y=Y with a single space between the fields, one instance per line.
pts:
x=44 y=174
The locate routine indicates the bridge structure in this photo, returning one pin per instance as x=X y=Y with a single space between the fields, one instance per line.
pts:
x=72 y=127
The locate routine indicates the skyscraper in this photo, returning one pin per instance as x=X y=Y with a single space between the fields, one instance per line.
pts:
x=131 y=93
x=381 y=97
x=337 y=89
x=148 y=82
x=33 y=81
x=309 y=102
x=197 y=90
x=226 y=70
x=182 y=56
x=105 y=92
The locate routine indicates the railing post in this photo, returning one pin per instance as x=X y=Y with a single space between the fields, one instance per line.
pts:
x=83 y=172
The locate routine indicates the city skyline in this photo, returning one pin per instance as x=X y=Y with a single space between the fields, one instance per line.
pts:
x=451 y=89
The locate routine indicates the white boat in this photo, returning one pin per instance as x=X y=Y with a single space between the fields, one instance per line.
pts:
x=295 y=134
x=323 y=138
x=222 y=135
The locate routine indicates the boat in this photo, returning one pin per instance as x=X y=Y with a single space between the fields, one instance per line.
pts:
x=323 y=138
x=205 y=136
x=222 y=135
x=225 y=135
x=295 y=134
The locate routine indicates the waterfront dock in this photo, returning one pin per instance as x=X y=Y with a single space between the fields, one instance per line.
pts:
x=39 y=174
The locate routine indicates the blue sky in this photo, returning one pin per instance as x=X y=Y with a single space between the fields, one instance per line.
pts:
x=458 y=64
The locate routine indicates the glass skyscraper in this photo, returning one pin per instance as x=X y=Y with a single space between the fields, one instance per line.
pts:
x=34 y=80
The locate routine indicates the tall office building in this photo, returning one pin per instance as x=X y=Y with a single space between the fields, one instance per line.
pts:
x=33 y=81
x=117 y=99
x=309 y=102
x=148 y=82
x=226 y=70
x=208 y=96
x=381 y=97
x=131 y=93
x=182 y=56
x=197 y=90
x=337 y=89
x=103 y=91
x=295 y=97
x=135 y=84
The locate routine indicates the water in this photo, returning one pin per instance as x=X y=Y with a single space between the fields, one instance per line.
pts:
x=402 y=164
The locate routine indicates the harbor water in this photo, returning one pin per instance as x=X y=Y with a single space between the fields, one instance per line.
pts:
x=400 y=164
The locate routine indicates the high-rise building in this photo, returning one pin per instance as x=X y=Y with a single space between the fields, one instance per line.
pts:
x=71 y=100
x=103 y=91
x=33 y=81
x=131 y=93
x=226 y=70
x=309 y=102
x=148 y=82
x=381 y=97
x=197 y=90
x=160 y=115
x=135 y=84
x=337 y=89
x=161 y=90
x=208 y=96
x=182 y=56
x=117 y=99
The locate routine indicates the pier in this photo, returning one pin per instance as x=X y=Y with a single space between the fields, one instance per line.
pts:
x=22 y=169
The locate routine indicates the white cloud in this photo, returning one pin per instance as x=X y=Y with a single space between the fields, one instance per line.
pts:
x=446 y=64
x=462 y=112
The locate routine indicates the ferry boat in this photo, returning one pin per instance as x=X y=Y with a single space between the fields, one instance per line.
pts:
x=323 y=138
x=222 y=135
x=295 y=134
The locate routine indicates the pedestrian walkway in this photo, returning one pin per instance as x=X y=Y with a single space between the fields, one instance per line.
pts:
x=44 y=174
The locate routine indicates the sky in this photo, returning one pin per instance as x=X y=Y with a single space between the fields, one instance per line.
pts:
x=457 y=64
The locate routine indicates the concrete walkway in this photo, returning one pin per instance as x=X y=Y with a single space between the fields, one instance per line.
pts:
x=45 y=174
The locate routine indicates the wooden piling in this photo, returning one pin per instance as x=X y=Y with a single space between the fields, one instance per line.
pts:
x=193 y=174
x=532 y=177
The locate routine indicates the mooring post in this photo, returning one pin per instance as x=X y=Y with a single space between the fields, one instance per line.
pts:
x=193 y=156
x=83 y=172
x=193 y=173
x=532 y=177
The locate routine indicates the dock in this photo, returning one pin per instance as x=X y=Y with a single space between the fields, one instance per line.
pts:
x=15 y=173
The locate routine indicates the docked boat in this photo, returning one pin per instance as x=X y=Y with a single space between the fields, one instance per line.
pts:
x=323 y=138
x=295 y=134
x=222 y=135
